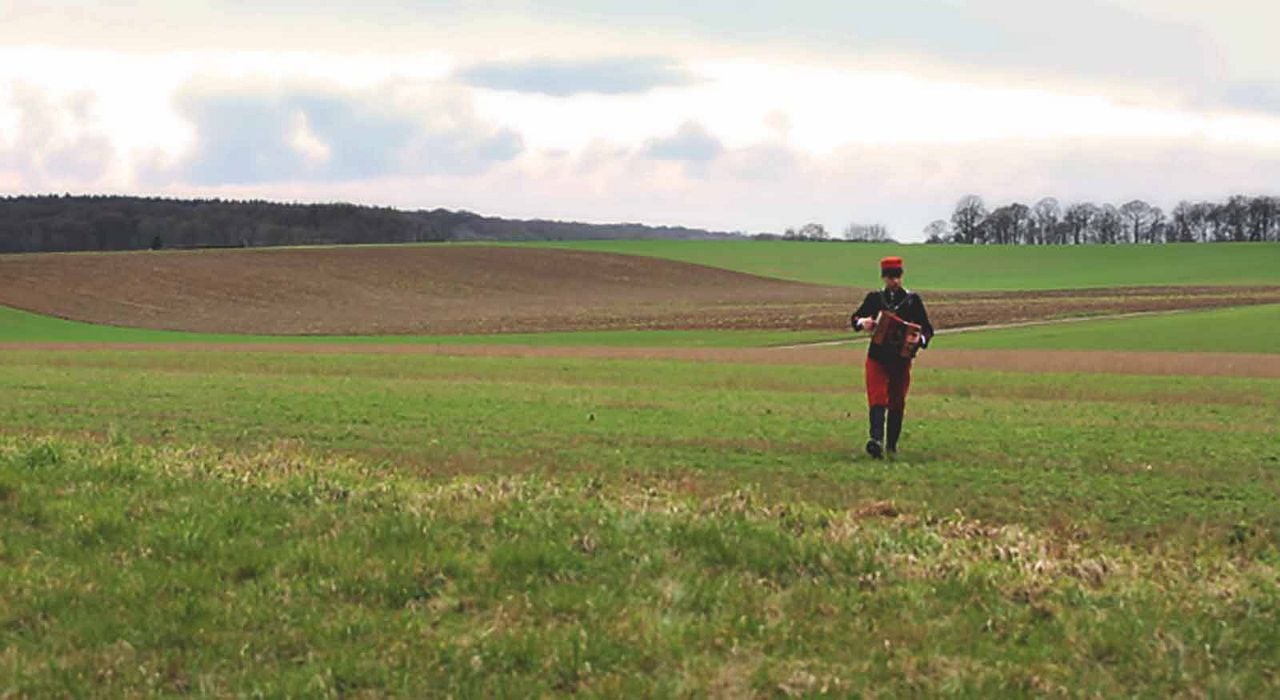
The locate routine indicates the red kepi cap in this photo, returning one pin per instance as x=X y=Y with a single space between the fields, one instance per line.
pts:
x=891 y=265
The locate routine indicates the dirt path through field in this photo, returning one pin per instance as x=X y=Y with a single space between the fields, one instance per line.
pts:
x=1105 y=362
x=997 y=327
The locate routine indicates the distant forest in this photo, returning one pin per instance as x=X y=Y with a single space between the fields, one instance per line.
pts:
x=1239 y=218
x=70 y=223
x=55 y=223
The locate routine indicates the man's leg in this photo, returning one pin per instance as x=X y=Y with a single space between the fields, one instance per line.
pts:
x=877 y=380
x=895 y=430
x=874 y=445
x=899 y=385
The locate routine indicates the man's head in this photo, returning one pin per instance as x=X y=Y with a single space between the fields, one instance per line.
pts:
x=891 y=272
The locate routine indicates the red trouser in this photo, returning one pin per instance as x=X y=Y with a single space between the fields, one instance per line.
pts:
x=888 y=385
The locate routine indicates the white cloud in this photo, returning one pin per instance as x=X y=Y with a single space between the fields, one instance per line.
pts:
x=847 y=110
x=250 y=133
x=54 y=139
x=903 y=186
x=1107 y=39
x=1240 y=33
x=568 y=77
x=305 y=141
x=691 y=143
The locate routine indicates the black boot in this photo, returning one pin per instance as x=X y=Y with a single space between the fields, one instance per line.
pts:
x=895 y=430
x=875 y=444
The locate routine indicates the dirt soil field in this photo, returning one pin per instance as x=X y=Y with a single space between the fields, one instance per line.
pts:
x=486 y=289
x=1089 y=362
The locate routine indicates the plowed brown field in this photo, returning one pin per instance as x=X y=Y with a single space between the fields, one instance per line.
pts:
x=486 y=289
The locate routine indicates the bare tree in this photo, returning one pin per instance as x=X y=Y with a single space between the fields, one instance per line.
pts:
x=1158 y=228
x=1239 y=218
x=1108 y=225
x=870 y=233
x=967 y=219
x=813 y=232
x=1216 y=224
x=1137 y=217
x=1207 y=213
x=1008 y=224
x=1047 y=213
x=1274 y=229
x=1271 y=229
x=1188 y=222
x=1234 y=216
x=938 y=231
x=1262 y=215
x=1079 y=218
x=1020 y=215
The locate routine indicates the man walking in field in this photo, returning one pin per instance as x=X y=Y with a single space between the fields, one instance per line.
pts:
x=903 y=324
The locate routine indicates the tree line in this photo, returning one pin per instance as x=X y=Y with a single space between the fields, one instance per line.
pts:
x=1047 y=222
x=58 y=223
x=815 y=232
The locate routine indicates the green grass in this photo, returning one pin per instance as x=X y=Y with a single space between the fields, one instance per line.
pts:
x=1194 y=331
x=22 y=326
x=726 y=422
x=140 y=571
x=1243 y=329
x=322 y=525
x=281 y=524
x=979 y=268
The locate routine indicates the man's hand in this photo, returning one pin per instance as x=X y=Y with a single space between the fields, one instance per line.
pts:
x=866 y=324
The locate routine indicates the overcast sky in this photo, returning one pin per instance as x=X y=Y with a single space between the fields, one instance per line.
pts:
x=726 y=114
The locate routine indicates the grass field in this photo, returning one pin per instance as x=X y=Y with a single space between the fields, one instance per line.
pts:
x=1192 y=331
x=323 y=521
x=292 y=524
x=983 y=268
x=22 y=326
x=1247 y=329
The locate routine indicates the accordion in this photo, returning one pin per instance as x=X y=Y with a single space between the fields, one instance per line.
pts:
x=895 y=333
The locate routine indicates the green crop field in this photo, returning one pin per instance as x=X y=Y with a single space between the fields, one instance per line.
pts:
x=1242 y=329
x=1197 y=331
x=976 y=267
x=291 y=524
x=20 y=327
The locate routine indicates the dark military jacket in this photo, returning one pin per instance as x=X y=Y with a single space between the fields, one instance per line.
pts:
x=907 y=305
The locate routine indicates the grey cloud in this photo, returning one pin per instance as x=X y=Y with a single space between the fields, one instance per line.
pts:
x=84 y=160
x=564 y=78
x=245 y=136
x=1258 y=97
x=766 y=161
x=1094 y=38
x=691 y=143
x=56 y=140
